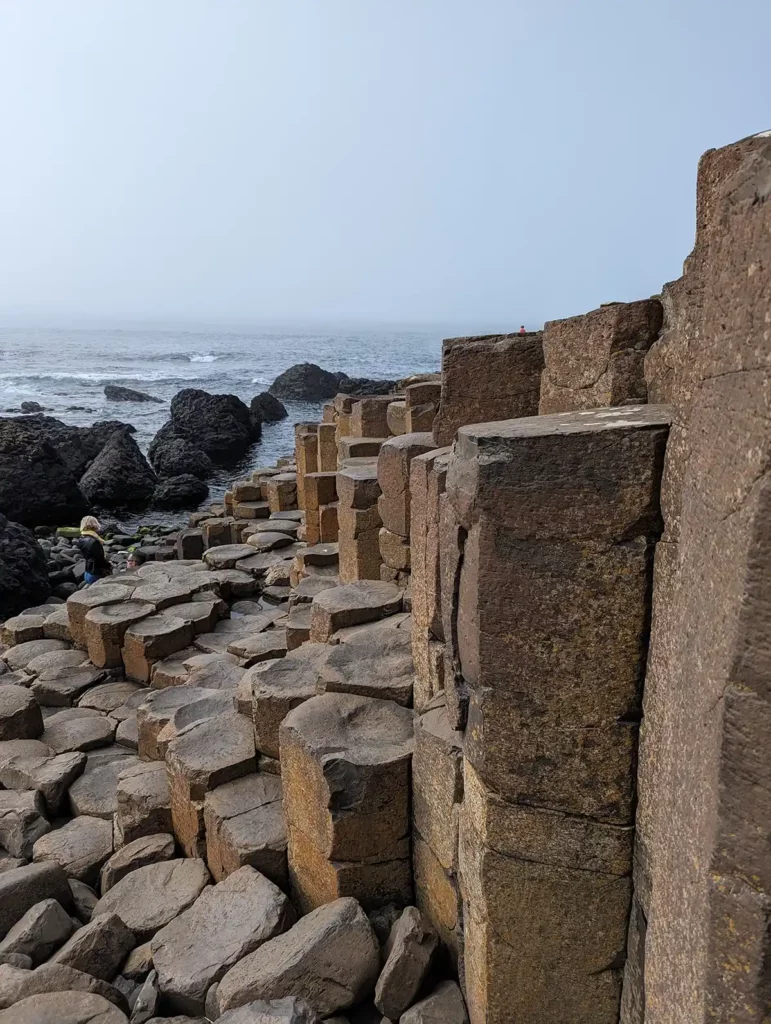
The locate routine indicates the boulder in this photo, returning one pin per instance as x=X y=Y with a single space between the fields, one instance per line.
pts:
x=22 y=822
x=80 y=603
x=177 y=457
x=20 y=717
x=61 y=687
x=219 y=425
x=152 y=896
x=21 y=655
x=120 y=476
x=409 y=952
x=94 y=793
x=39 y=933
x=150 y=640
x=51 y=977
x=117 y=393
x=21 y=888
x=80 y=847
x=84 y=898
x=365 y=385
x=143 y=802
x=63 y=1008
x=146 y=1001
x=245 y=826
x=330 y=958
x=273 y=1011
x=36 y=484
x=444 y=1006
x=98 y=948
x=306 y=382
x=226 y=922
x=51 y=776
x=182 y=491
x=23 y=570
x=77 y=729
x=137 y=854
x=266 y=408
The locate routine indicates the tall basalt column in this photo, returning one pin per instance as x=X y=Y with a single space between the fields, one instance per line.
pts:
x=548 y=532
x=306 y=455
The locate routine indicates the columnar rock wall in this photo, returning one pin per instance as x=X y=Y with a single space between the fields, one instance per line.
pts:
x=703 y=861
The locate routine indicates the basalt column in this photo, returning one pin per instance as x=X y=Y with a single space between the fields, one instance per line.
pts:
x=306 y=456
x=703 y=855
x=548 y=532
x=393 y=473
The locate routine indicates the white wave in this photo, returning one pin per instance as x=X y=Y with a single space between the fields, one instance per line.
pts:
x=208 y=358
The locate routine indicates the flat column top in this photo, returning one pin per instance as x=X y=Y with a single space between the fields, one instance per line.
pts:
x=584 y=421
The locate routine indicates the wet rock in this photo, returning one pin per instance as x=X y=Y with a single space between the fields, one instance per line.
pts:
x=137 y=854
x=80 y=847
x=117 y=393
x=143 y=802
x=183 y=491
x=225 y=923
x=21 y=888
x=40 y=931
x=245 y=826
x=120 y=476
x=22 y=822
x=410 y=950
x=20 y=717
x=177 y=457
x=444 y=1006
x=266 y=408
x=151 y=897
x=98 y=948
x=77 y=729
x=306 y=382
x=330 y=958
x=63 y=1008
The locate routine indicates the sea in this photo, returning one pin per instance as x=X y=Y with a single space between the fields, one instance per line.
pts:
x=65 y=371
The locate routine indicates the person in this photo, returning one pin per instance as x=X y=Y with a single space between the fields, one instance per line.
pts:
x=91 y=546
x=132 y=562
x=522 y=329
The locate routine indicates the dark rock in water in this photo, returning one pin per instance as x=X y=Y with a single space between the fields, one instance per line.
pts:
x=76 y=446
x=23 y=574
x=31 y=407
x=37 y=486
x=365 y=386
x=174 y=456
x=306 y=382
x=117 y=393
x=184 y=491
x=219 y=425
x=120 y=476
x=265 y=408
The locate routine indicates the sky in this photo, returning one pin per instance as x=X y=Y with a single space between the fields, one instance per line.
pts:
x=491 y=162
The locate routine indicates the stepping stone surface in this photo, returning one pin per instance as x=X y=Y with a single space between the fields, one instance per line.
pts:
x=63 y=1008
x=138 y=854
x=98 y=948
x=80 y=847
x=245 y=825
x=78 y=729
x=352 y=604
x=20 y=717
x=51 y=776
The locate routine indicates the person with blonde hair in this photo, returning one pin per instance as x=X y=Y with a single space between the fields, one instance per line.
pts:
x=91 y=546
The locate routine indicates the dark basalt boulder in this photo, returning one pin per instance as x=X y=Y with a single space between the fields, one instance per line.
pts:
x=365 y=386
x=266 y=408
x=173 y=456
x=23 y=572
x=306 y=382
x=184 y=491
x=76 y=446
x=120 y=476
x=31 y=407
x=117 y=393
x=219 y=425
x=37 y=485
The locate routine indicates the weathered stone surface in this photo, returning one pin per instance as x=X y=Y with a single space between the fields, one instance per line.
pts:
x=80 y=847
x=62 y=687
x=78 y=729
x=357 y=484
x=57 y=625
x=107 y=697
x=21 y=628
x=372 y=665
x=52 y=977
x=282 y=492
x=172 y=671
x=422 y=404
x=437 y=894
x=106 y=625
x=226 y=922
x=256 y=647
x=152 y=639
x=393 y=474
x=22 y=822
x=396 y=417
x=369 y=416
x=330 y=958
x=20 y=717
x=21 y=655
x=98 y=948
x=207 y=754
x=143 y=802
x=273 y=1011
x=410 y=949
x=702 y=881
x=269 y=540
x=245 y=826
x=279 y=688
x=63 y=1008
x=204 y=707
x=155 y=712
x=437 y=782
x=358 y=448
x=495 y=377
x=597 y=359
x=150 y=897
x=84 y=898
x=80 y=603
x=21 y=888
x=444 y=1006
x=394 y=550
x=139 y=853
x=40 y=931
x=95 y=791
x=345 y=772
x=298 y=626
x=351 y=605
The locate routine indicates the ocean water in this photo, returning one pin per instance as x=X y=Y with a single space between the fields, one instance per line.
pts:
x=66 y=371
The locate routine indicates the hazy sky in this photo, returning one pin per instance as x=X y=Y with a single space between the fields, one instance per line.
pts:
x=485 y=161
